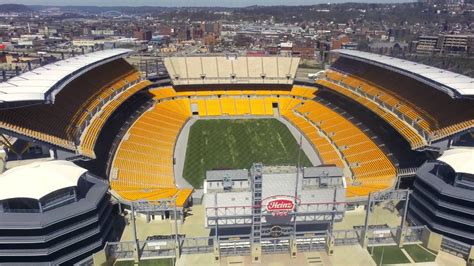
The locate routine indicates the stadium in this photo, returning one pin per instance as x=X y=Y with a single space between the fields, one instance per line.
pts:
x=369 y=125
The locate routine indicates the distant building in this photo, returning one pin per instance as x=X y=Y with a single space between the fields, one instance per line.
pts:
x=388 y=48
x=427 y=44
x=165 y=30
x=212 y=27
x=445 y=44
x=304 y=52
x=142 y=35
x=350 y=46
x=210 y=39
x=102 y=32
x=455 y=44
x=197 y=33
x=184 y=34
x=398 y=33
x=336 y=43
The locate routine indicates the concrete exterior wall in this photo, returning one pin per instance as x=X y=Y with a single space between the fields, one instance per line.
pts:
x=100 y=258
x=470 y=258
x=431 y=240
x=223 y=70
x=3 y=159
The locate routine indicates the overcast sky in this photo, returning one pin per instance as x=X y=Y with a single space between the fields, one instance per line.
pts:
x=173 y=3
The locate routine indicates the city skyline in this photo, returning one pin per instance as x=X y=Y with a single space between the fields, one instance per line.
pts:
x=187 y=3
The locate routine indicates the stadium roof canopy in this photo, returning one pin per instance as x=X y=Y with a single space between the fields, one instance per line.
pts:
x=198 y=70
x=43 y=83
x=38 y=179
x=454 y=84
x=460 y=159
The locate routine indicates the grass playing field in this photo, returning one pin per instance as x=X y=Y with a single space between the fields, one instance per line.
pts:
x=388 y=255
x=419 y=254
x=236 y=144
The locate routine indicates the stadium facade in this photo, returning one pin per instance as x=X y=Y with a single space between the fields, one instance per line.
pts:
x=443 y=195
x=274 y=200
x=52 y=212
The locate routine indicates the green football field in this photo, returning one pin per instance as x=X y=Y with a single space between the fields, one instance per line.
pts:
x=236 y=144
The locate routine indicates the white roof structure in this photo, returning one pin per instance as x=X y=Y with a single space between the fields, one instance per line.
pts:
x=454 y=84
x=38 y=179
x=460 y=159
x=196 y=70
x=43 y=83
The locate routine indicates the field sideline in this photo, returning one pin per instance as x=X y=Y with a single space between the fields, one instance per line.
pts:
x=236 y=144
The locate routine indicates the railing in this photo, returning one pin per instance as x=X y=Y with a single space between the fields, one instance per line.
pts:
x=58 y=201
x=197 y=245
x=380 y=103
x=64 y=230
x=455 y=247
x=240 y=245
x=157 y=248
x=99 y=107
x=120 y=250
x=275 y=245
x=382 y=236
x=413 y=234
x=441 y=202
x=235 y=247
x=346 y=237
x=406 y=172
x=89 y=261
x=307 y=243
x=7 y=210
x=442 y=214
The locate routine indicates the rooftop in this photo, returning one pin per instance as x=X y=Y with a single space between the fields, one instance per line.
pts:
x=460 y=159
x=218 y=175
x=453 y=84
x=39 y=179
x=43 y=83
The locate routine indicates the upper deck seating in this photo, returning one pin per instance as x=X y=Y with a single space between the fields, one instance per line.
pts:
x=408 y=132
x=434 y=111
x=58 y=123
x=91 y=133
